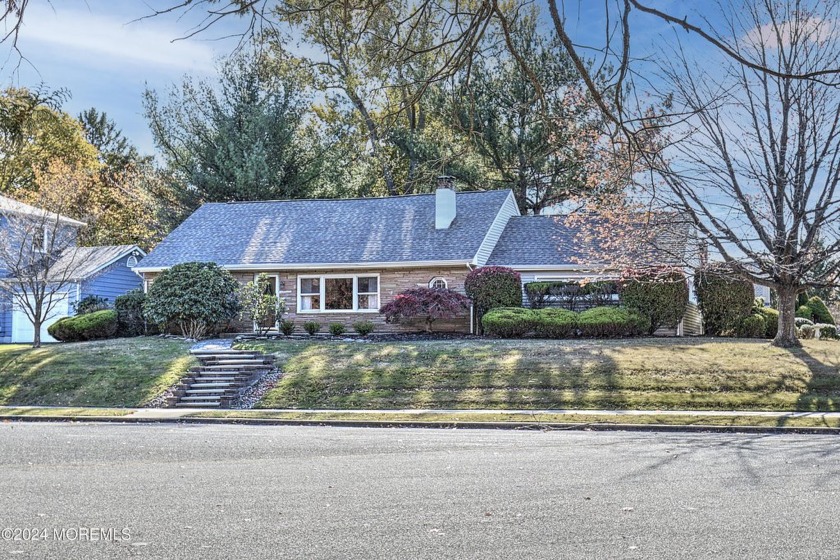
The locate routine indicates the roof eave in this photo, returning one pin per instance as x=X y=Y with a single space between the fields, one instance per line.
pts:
x=322 y=266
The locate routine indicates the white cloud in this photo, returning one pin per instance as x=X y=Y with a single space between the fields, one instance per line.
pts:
x=809 y=29
x=111 y=41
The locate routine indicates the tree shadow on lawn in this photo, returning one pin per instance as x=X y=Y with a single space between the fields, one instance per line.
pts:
x=822 y=393
x=751 y=454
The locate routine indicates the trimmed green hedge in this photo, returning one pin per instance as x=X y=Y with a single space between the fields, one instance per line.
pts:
x=724 y=300
x=819 y=311
x=661 y=295
x=571 y=294
x=555 y=323
x=598 y=322
x=492 y=287
x=129 y=308
x=90 y=326
x=771 y=321
x=508 y=322
x=609 y=322
x=752 y=326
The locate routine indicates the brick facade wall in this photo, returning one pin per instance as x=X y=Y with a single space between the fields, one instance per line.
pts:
x=391 y=282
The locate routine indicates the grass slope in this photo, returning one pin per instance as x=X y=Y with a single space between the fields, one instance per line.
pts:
x=653 y=374
x=116 y=373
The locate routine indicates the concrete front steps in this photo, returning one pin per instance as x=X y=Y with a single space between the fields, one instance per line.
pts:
x=221 y=378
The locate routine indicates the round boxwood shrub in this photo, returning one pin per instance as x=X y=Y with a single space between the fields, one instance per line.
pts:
x=508 y=322
x=555 y=323
x=490 y=287
x=601 y=322
x=286 y=327
x=660 y=294
x=819 y=311
x=90 y=326
x=364 y=328
x=724 y=300
x=752 y=326
x=771 y=321
x=805 y=312
x=195 y=296
x=312 y=327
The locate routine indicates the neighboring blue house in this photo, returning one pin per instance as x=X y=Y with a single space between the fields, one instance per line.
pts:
x=103 y=271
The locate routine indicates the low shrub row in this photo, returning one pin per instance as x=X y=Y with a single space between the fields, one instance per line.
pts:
x=597 y=322
x=90 y=326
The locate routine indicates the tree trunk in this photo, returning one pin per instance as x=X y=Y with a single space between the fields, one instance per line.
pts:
x=36 y=338
x=786 y=335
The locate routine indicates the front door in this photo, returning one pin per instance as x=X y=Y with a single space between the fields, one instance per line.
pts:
x=273 y=288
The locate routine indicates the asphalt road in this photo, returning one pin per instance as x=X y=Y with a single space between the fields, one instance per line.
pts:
x=229 y=492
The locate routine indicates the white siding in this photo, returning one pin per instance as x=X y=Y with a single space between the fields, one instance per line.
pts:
x=692 y=321
x=508 y=210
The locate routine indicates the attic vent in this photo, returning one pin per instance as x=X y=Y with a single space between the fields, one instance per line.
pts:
x=131 y=261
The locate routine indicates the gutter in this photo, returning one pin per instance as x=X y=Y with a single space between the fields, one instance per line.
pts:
x=320 y=266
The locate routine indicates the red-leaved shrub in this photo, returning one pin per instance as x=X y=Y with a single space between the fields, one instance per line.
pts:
x=424 y=304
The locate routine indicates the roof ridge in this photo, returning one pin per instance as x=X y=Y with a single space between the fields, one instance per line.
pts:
x=388 y=197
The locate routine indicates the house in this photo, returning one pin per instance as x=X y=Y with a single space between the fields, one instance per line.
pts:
x=102 y=271
x=339 y=261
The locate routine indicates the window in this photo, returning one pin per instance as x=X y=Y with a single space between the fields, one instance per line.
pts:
x=338 y=293
x=438 y=283
x=41 y=239
x=310 y=294
x=131 y=261
x=368 y=293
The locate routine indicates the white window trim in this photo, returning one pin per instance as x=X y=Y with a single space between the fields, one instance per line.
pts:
x=45 y=242
x=276 y=281
x=323 y=293
x=442 y=279
x=276 y=293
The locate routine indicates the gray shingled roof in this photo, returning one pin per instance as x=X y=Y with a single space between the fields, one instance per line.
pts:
x=537 y=240
x=347 y=231
x=549 y=241
x=84 y=262
x=12 y=206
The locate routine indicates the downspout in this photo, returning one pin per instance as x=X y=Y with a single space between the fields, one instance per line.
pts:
x=472 y=308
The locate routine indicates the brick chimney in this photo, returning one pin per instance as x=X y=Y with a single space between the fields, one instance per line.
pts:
x=445 y=209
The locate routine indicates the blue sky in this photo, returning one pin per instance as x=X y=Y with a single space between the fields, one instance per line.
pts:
x=97 y=50
x=92 y=48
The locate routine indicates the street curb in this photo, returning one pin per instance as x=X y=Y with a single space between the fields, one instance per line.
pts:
x=529 y=426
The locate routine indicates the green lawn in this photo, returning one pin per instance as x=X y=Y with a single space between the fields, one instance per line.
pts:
x=652 y=374
x=115 y=373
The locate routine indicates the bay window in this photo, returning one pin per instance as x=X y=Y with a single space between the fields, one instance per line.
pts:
x=338 y=293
